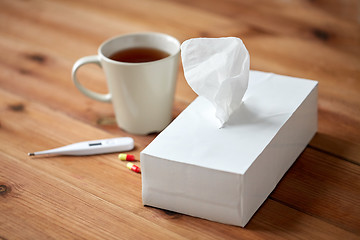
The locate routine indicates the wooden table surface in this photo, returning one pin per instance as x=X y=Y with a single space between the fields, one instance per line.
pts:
x=97 y=197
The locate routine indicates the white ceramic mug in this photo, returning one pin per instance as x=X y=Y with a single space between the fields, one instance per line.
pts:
x=142 y=94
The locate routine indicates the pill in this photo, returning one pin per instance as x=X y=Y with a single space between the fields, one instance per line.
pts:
x=133 y=167
x=126 y=157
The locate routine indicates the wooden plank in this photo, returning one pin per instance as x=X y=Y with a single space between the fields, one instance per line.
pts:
x=314 y=21
x=325 y=187
x=48 y=207
x=343 y=149
x=176 y=19
x=108 y=179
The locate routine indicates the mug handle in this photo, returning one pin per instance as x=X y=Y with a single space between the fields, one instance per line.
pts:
x=91 y=94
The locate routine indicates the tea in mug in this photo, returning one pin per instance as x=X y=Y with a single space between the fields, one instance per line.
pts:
x=139 y=55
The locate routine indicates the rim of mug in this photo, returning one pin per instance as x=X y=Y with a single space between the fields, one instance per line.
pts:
x=100 y=53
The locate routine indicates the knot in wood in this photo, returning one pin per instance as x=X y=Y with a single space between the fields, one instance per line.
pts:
x=3 y=189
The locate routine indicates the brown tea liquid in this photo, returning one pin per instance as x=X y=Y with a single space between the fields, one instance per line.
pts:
x=138 y=55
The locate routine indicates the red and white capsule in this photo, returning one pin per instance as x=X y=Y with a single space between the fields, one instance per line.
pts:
x=126 y=157
x=133 y=167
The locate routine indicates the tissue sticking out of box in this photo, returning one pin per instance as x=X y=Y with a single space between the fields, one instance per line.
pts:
x=217 y=69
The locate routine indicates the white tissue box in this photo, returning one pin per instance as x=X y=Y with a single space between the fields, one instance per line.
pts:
x=225 y=174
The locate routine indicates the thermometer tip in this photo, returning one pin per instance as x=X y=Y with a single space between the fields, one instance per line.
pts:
x=31 y=154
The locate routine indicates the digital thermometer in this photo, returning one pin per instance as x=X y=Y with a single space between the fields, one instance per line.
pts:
x=92 y=147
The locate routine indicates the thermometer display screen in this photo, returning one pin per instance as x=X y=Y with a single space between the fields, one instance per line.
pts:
x=94 y=144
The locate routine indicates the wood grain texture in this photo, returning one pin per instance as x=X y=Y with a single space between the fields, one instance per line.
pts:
x=96 y=197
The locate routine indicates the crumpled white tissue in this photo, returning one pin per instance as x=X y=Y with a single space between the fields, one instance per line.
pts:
x=217 y=69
